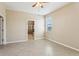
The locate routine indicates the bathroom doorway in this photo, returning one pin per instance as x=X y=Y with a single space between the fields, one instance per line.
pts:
x=31 y=30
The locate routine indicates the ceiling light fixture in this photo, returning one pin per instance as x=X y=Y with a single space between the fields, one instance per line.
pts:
x=38 y=4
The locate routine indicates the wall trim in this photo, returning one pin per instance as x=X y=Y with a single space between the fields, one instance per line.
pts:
x=16 y=41
x=39 y=38
x=64 y=45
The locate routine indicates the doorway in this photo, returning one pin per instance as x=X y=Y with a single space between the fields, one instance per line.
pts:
x=31 y=30
x=1 y=30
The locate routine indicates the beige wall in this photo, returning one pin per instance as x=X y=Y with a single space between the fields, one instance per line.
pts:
x=3 y=14
x=17 y=25
x=66 y=25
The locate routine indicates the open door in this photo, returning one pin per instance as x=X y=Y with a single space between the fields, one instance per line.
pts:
x=1 y=30
x=31 y=30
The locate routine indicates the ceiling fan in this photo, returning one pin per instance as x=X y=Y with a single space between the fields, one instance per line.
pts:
x=39 y=4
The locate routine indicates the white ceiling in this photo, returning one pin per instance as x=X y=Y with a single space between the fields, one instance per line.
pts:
x=27 y=7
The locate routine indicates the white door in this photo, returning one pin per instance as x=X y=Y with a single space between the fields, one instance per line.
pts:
x=1 y=30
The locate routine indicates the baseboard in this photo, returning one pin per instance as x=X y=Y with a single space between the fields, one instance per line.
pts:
x=64 y=45
x=16 y=41
x=39 y=38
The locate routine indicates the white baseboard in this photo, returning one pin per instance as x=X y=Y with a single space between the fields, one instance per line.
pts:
x=38 y=38
x=16 y=41
x=64 y=45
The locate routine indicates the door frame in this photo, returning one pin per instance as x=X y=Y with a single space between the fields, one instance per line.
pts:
x=2 y=29
x=26 y=29
x=34 y=28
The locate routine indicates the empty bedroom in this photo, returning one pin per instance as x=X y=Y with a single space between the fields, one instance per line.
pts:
x=39 y=28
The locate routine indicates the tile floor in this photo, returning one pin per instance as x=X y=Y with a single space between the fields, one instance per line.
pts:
x=36 y=48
